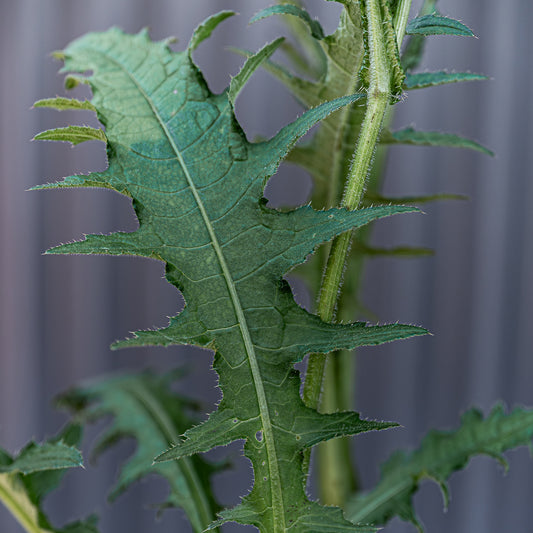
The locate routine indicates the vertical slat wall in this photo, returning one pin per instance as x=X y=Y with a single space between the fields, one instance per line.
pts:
x=59 y=314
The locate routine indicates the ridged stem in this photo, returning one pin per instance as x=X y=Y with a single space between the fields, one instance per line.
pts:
x=377 y=102
x=336 y=481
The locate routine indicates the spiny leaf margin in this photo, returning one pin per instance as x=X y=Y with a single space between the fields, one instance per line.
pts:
x=201 y=211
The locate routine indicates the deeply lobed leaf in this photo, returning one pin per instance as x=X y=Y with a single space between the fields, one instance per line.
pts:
x=145 y=408
x=197 y=186
x=440 y=454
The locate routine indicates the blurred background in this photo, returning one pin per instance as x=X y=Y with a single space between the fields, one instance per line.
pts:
x=58 y=314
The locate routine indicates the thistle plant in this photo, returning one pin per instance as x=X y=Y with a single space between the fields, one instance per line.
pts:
x=197 y=188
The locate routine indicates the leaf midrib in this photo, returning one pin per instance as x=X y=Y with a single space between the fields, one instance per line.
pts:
x=275 y=478
x=158 y=415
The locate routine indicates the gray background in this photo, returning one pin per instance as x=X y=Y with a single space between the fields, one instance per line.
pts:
x=59 y=314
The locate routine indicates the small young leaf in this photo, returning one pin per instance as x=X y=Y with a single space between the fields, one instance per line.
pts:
x=206 y=28
x=36 y=471
x=72 y=134
x=61 y=104
x=436 y=24
x=432 y=138
x=431 y=79
x=47 y=456
x=290 y=9
x=252 y=63
x=440 y=454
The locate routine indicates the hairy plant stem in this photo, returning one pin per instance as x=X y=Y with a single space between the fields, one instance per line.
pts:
x=336 y=478
x=337 y=471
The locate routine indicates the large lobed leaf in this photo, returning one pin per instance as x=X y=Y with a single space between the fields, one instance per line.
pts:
x=197 y=187
x=144 y=407
x=440 y=455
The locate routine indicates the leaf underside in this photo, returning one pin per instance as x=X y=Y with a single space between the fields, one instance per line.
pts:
x=197 y=187
x=440 y=454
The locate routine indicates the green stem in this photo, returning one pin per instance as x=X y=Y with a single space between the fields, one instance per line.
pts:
x=13 y=496
x=377 y=104
x=378 y=99
x=337 y=473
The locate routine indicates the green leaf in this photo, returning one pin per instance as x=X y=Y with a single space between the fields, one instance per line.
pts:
x=145 y=408
x=36 y=471
x=440 y=454
x=414 y=50
x=72 y=134
x=250 y=66
x=62 y=104
x=47 y=456
x=198 y=184
x=432 y=138
x=206 y=28
x=290 y=9
x=435 y=24
x=431 y=79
